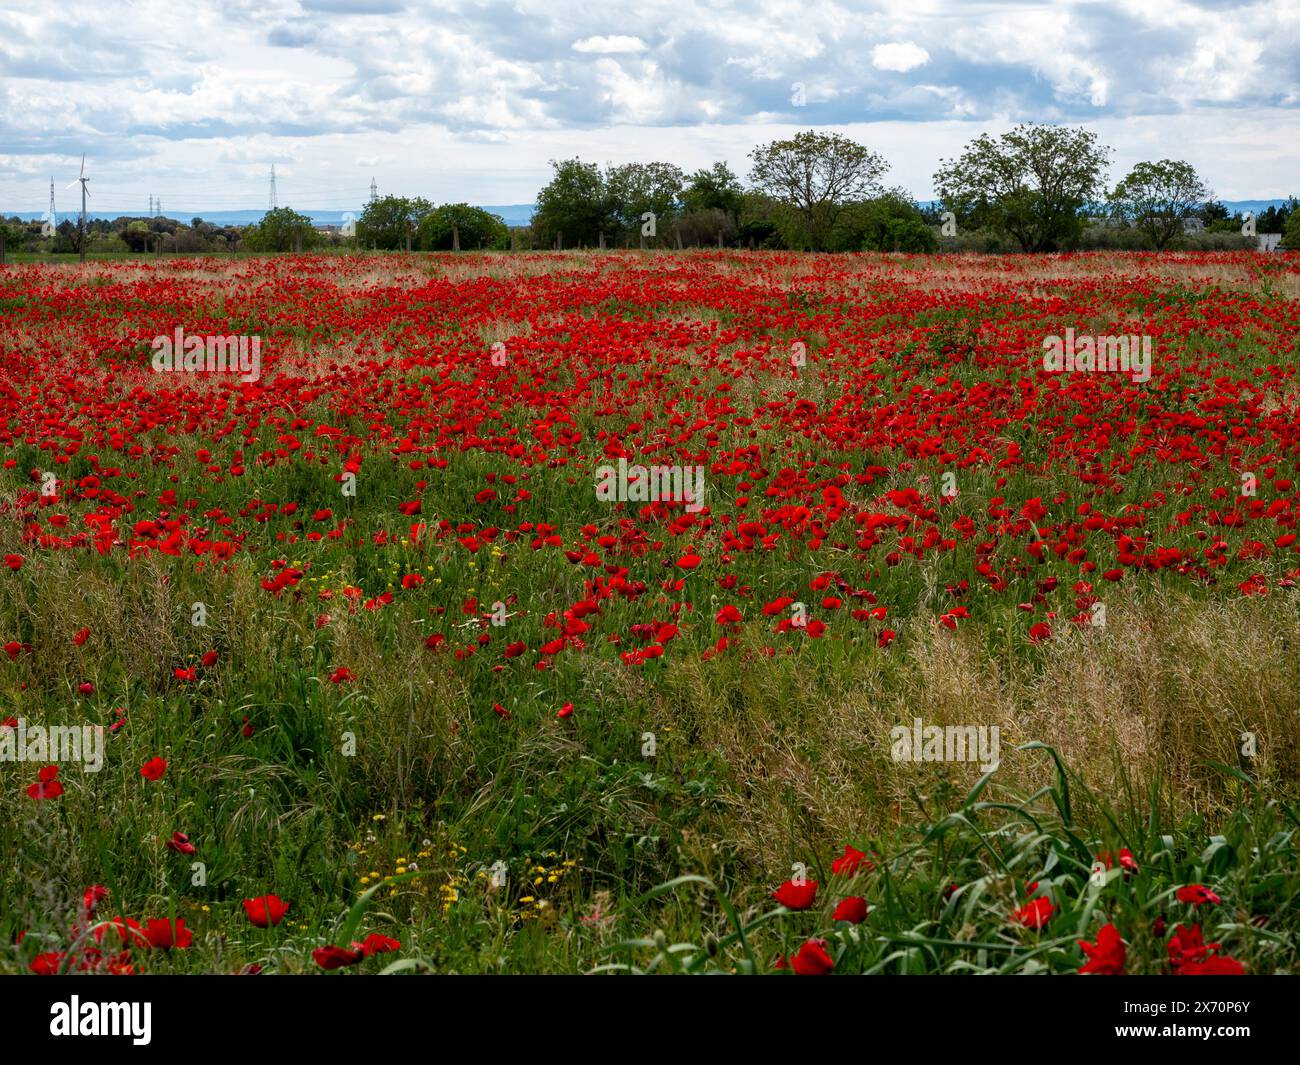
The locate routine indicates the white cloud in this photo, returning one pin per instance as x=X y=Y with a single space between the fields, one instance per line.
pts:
x=901 y=56
x=616 y=45
x=194 y=103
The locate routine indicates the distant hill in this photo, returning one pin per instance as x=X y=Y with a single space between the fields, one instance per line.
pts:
x=515 y=214
x=1255 y=206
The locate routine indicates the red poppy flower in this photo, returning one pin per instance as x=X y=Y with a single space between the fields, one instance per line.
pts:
x=46 y=964
x=1196 y=895
x=209 y=659
x=180 y=843
x=1105 y=957
x=796 y=896
x=565 y=711
x=265 y=911
x=81 y=636
x=1216 y=966
x=331 y=957
x=812 y=959
x=848 y=863
x=14 y=562
x=46 y=787
x=341 y=674
x=124 y=929
x=378 y=944
x=852 y=909
x=501 y=711
x=163 y=935
x=154 y=768
x=1035 y=913
x=1186 y=946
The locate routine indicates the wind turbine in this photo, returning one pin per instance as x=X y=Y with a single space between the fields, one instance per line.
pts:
x=81 y=233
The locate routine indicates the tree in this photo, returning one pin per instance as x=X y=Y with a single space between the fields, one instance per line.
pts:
x=1291 y=236
x=709 y=227
x=714 y=189
x=137 y=235
x=573 y=207
x=1274 y=219
x=814 y=175
x=16 y=235
x=281 y=229
x=889 y=222
x=636 y=189
x=1032 y=182
x=1156 y=198
x=1228 y=223
x=390 y=222
x=712 y=202
x=757 y=225
x=66 y=238
x=1212 y=211
x=458 y=225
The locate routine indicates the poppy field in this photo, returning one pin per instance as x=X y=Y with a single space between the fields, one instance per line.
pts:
x=616 y=612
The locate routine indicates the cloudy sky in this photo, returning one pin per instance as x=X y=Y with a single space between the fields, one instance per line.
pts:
x=469 y=99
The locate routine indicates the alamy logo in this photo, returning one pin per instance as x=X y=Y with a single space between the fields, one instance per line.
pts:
x=651 y=484
x=1098 y=354
x=55 y=743
x=179 y=353
x=102 y=1018
x=947 y=743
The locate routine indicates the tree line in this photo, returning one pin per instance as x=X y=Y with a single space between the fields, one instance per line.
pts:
x=1036 y=188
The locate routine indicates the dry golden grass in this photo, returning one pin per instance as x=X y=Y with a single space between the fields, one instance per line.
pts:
x=1165 y=689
